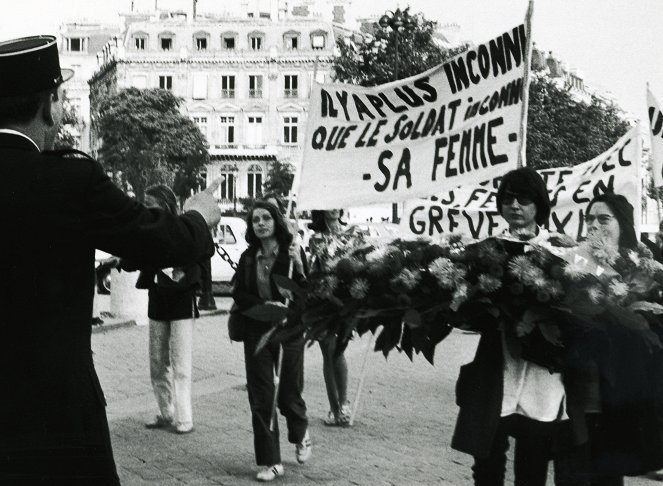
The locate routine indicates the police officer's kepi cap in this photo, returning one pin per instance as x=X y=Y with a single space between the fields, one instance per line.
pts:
x=30 y=65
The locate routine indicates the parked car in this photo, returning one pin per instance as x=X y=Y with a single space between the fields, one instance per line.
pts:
x=230 y=244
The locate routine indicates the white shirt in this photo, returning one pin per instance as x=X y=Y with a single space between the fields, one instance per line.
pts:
x=16 y=132
x=530 y=389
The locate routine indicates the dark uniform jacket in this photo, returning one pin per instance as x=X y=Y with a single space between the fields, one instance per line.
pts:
x=54 y=212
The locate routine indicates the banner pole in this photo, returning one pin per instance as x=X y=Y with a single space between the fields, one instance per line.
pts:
x=362 y=375
x=522 y=159
x=638 y=173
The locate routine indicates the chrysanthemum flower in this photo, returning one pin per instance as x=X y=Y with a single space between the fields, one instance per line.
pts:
x=488 y=283
x=359 y=288
x=575 y=271
x=595 y=294
x=460 y=296
x=445 y=272
x=407 y=279
x=524 y=270
x=618 y=289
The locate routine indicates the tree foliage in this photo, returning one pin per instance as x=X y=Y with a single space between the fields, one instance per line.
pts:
x=279 y=178
x=370 y=60
x=561 y=130
x=146 y=140
x=65 y=138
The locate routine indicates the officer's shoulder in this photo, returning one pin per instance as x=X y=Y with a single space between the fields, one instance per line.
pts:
x=69 y=154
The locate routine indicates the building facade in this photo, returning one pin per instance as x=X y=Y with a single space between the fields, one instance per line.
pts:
x=245 y=81
x=79 y=43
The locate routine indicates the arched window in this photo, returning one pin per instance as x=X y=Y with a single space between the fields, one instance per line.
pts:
x=229 y=41
x=291 y=40
x=254 y=180
x=166 y=41
x=227 y=189
x=318 y=39
x=256 y=41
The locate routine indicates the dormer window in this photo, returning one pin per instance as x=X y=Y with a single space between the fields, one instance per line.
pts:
x=229 y=41
x=318 y=39
x=140 y=41
x=291 y=40
x=201 y=41
x=76 y=44
x=166 y=41
x=256 y=41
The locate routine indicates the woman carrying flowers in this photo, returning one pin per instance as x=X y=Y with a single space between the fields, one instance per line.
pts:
x=618 y=402
x=500 y=394
x=269 y=254
x=328 y=237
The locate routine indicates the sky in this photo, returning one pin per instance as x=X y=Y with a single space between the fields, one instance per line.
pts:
x=616 y=44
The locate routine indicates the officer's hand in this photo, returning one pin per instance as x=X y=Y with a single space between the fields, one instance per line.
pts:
x=205 y=203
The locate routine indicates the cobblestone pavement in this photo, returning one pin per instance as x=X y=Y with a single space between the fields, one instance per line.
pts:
x=401 y=435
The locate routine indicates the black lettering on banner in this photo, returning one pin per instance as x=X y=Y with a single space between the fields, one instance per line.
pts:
x=623 y=162
x=560 y=223
x=318 y=139
x=475 y=231
x=495 y=158
x=439 y=125
x=453 y=105
x=377 y=103
x=602 y=188
x=416 y=227
x=474 y=196
x=504 y=52
x=451 y=155
x=490 y=200
x=424 y=85
x=577 y=193
x=397 y=126
x=346 y=133
x=387 y=154
x=372 y=142
x=327 y=109
x=408 y=95
x=655 y=126
x=343 y=99
x=434 y=218
x=452 y=198
x=360 y=141
x=333 y=139
x=492 y=221
x=392 y=107
x=451 y=214
x=562 y=174
x=403 y=170
x=440 y=143
x=430 y=121
x=555 y=195
x=362 y=109
x=415 y=131
x=479 y=143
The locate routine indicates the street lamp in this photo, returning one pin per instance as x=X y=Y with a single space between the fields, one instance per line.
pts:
x=235 y=171
x=400 y=22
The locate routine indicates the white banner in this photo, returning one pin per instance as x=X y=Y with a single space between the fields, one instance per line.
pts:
x=656 y=131
x=457 y=123
x=471 y=209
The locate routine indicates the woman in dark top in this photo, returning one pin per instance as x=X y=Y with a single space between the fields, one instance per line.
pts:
x=269 y=254
x=171 y=311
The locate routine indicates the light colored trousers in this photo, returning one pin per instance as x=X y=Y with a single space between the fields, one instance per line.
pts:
x=171 y=347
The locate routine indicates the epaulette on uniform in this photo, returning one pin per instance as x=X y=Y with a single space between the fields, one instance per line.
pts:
x=69 y=154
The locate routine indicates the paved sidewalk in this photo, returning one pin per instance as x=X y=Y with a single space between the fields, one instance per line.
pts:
x=401 y=435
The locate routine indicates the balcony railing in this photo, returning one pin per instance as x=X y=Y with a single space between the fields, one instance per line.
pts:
x=290 y=93
x=227 y=93
x=255 y=93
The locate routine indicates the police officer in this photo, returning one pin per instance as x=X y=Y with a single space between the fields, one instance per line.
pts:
x=54 y=211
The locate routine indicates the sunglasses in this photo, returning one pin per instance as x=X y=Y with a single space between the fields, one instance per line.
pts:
x=521 y=198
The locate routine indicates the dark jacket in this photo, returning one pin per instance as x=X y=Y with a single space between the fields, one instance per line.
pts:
x=170 y=300
x=55 y=212
x=245 y=287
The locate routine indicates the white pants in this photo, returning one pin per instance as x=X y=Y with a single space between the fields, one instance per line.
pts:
x=171 y=346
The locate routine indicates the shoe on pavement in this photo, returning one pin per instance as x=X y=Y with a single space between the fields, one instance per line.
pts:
x=159 y=422
x=270 y=473
x=304 y=449
x=331 y=419
x=183 y=428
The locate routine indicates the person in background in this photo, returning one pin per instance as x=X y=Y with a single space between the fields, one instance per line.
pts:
x=270 y=253
x=327 y=226
x=172 y=311
x=57 y=207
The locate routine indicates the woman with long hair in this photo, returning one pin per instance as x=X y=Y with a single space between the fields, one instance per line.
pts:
x=269 y=254
x=328 y=226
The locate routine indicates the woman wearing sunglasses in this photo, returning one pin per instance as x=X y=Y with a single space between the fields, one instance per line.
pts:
x=500 y=394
